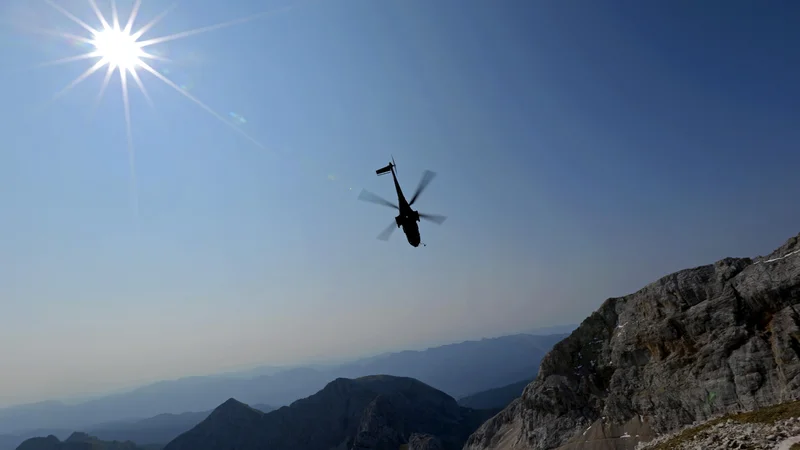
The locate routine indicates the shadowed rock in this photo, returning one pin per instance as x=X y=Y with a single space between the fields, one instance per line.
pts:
x=424 y=442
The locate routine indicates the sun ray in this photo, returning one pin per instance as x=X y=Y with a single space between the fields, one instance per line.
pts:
x=81 y=77
x=131 y=152
x=114 y=14
x=169 y=82
x=195 y=31
x=71 y=16
x=103 y=88
x=92 y=54
x=99 y=15
x=153 y=22
x=155 y=57
x=132 y=17
x=139 y=83
x=61 y=34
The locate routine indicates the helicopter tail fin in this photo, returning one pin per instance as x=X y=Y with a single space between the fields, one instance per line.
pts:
x=384 y=170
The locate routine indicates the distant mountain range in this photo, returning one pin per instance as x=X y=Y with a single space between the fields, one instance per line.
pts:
x=376 y=412
x=153 y=432
x=78 y=441
x=456 y=369
x=495 y=398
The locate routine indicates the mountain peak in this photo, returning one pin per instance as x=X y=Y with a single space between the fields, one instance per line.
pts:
x=78 y=436
x=347 y=413
x=235 y=410
x=231 y=403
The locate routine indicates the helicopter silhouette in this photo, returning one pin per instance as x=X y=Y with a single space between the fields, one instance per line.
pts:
x=408 y=218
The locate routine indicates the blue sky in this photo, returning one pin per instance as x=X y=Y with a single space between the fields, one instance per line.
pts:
x=583 y=149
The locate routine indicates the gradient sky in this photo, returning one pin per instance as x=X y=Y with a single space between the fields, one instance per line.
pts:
x=583 y=149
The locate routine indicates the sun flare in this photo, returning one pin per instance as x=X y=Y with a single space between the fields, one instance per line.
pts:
x=118 y=48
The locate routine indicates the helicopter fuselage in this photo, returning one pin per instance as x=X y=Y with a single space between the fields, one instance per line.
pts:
x=408 y=218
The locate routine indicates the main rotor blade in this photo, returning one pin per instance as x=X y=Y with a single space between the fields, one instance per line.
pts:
x=427 y=176
x=387 y=233
x=435 y=218
x=368 y=196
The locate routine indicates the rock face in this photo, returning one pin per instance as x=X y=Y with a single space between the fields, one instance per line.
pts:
x=698 y=343
x=370 y=413
x=424 y=442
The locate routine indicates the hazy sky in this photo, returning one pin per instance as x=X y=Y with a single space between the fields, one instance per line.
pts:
x=583 y=148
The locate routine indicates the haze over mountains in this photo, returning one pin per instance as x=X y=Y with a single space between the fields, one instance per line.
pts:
x=708 y=340
x=154 y=431
x=641 y=365
x=495 y=398
x=457 y=369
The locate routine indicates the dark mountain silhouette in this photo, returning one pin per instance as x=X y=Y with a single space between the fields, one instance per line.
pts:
x=12 y=441
x=160 y=429
x=495 y=398
x=78 y=441
x=457 y=369
x=376 y=412
x=157 y=431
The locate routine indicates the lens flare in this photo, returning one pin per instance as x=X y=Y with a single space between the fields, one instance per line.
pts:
x=120 y=49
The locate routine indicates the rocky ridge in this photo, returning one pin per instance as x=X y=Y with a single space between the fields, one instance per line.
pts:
x=702 y=342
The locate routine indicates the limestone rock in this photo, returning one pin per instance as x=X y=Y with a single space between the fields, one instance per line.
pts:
x=424 y=442
x=695 y=344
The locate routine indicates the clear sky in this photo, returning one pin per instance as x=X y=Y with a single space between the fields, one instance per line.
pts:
x=583 y=149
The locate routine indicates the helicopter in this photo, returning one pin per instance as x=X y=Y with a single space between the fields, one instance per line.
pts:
x=408 y=218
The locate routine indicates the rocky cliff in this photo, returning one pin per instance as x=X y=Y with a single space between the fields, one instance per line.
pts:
x=375 y=413
x=698 y=343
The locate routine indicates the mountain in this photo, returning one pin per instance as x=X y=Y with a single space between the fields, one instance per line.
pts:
x=495 y=398
x=556 y=329
x=464 y=368
x=12 y=441
x=376 y=412
x=699 y=343
x=77 y=441
x=158 y=430
x=457 y=369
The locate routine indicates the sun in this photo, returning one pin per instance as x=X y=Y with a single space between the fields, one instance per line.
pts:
x=118 y=48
